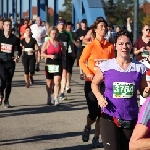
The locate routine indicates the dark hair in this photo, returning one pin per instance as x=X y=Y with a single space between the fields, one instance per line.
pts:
x=28 y=27
x=94 y=26
x=7 y=20
x=118 y=27
x=69 y=23
x=26 y=20
x=1 y=19
x=123 y=32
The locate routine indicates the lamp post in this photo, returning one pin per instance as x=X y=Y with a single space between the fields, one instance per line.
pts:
x=135 y=33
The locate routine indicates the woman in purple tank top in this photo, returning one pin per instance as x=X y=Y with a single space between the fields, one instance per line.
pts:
x=122 y=77
x=141 y=135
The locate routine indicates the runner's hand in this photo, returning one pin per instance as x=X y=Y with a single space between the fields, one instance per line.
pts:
x=102 y=102
x=147 y=89
x=52 y=56
x=142 y=49
x=90 y=76
x=16 y=59
x=81 y=38
x=31 y=51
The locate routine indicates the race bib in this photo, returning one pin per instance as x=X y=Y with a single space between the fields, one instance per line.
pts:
x=69 y=49
x=97 y=63
x=123 y=89
x=53 y=68
x=65 y=44
x=145 y=53
x=7 y=48
x=27 y=50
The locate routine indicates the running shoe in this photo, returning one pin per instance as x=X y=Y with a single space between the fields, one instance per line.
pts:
x=31 y=80
x=56 y=102
x=86 y=134
x=96 y=143
x=49 y=101
x=1 y=100
x=68 y=90
x=62 y=97
x=6 y=104
x=37 y=68
x=27 y=85
x=81 y=77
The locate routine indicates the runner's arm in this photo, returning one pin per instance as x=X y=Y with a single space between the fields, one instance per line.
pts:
x=143 y=87
x=138 y=140
x=63 y=48
x=84 y=57
x=87 y=37
x=136 y=51
x=36 y=47
x=19 y=48
x=98 y=78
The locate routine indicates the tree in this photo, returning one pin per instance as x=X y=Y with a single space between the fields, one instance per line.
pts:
x=67 y=12
x=146 y=20
x=117 y=11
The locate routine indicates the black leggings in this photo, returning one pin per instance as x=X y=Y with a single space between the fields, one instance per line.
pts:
x=79 y=53
x=29 y=64
x=113 y=137
x=94 y=109
x=6 y=82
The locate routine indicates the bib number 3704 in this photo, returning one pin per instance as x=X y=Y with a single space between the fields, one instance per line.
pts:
x=123 y=89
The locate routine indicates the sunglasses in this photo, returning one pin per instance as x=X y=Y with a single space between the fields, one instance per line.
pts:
x=147 y=29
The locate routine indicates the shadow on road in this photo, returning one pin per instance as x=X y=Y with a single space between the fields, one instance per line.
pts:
x=41 y=109
x=46 y=138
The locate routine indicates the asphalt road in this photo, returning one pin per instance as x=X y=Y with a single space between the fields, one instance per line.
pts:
x=32 y=125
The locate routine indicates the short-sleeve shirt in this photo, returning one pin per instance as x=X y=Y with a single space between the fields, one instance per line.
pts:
x=139 y=43
x=37 y=32
x=31 y=45
x=65 y=37
x=144 y=115
x=121 y=88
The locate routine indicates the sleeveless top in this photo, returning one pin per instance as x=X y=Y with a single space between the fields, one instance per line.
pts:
x=51 y=50
x=121 y=88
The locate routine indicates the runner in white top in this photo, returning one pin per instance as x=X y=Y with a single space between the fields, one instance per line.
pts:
x=39 y=33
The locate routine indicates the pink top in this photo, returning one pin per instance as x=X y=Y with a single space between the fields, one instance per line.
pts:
x=144 y=115
x=51 y=50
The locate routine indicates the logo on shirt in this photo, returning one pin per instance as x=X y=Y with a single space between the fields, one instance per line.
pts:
x=7 y=48
x=97 y=63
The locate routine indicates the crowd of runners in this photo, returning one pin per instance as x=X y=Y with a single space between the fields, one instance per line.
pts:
x=112 y=77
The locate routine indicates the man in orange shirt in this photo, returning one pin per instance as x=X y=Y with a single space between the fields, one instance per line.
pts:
x=23 y=28
x=94 y=53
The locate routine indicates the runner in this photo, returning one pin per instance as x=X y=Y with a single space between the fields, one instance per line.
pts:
x=140 y=139
x=39 y=33
x=8 y=42
x=71 y=56
x=23 y=28
x=29 y=47
x=122 y=76
x=65 y=37
x=81 y=32
x=140 y=50
x=146 y=61
x=94 y=53
x=52 y=50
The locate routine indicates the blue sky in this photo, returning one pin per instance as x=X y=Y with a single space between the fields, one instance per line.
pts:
x=34 y=3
